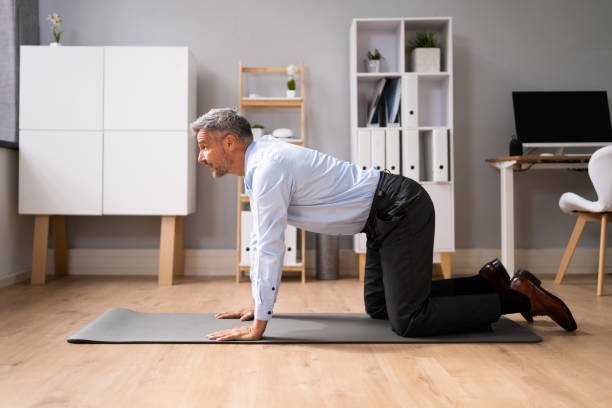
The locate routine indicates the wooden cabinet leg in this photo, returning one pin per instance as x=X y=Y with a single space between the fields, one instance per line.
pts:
x=60 y=248
x=445 y=264
x=361 y=258
x=39 y=251
x=178 y=248
x=166 y=249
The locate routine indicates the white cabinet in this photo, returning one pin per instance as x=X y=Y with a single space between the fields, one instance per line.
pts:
x=105 y=130
x=426 y=112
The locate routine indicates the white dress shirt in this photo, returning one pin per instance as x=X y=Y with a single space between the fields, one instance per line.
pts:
x=305 y=188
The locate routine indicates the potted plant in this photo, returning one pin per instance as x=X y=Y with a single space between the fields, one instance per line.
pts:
x=291 y=71
x=291 y=88
x=257 y=130
x=55 y=20
x=425 y=53
x=373 y=62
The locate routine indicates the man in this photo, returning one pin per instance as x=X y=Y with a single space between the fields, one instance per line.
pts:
x=317 y=192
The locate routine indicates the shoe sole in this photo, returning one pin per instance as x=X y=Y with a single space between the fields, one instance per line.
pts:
x=532 y=278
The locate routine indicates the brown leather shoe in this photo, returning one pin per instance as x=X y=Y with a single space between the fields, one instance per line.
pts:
x=495 y=273
x=543 y=303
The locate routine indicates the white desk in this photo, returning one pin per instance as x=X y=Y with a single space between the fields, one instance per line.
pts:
x=507 y=165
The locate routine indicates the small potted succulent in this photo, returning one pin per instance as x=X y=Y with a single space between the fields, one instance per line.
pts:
x=425 y=53
x=373 y=62
x=257 y=130
x=291 y=71
x=55 y=20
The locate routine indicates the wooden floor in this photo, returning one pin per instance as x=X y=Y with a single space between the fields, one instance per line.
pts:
x=38 y=368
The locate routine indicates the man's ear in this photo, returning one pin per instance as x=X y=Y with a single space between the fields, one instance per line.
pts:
x=229 y=142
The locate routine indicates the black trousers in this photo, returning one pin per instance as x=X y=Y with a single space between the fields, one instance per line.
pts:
x=398 y=269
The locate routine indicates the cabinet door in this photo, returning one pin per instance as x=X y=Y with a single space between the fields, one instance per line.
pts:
x=61 y=88
x=442 y=196
x=60 y=172
x=146 y=173
x=146 y=88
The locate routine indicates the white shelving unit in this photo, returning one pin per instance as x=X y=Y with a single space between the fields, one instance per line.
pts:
x=105 y=130
x=424 y=133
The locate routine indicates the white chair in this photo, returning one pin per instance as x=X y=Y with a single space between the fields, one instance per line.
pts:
x=600 y=172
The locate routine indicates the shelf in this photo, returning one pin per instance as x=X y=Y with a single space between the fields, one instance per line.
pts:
x=271 y=102
x=378 y=74
x=295 y=267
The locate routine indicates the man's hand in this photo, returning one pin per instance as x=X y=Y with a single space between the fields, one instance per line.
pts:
x=248 y=313
x=252 y=332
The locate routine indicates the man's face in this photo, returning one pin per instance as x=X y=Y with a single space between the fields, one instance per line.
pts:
x=212 y=154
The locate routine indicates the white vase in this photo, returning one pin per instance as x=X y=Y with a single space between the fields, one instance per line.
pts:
x=290 y=94
x=54 y=44
x=257 y=133
x=372 y=65
x=425 y=60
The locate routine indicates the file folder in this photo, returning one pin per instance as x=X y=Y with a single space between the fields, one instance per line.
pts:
x=246 y=227
x=410 y=154
x=290 y=245
x=378 y=149
x=440 y=154
x=392 y=147
x=410 y=101
x=364 y=150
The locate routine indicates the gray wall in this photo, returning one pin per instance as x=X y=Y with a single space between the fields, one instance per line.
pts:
x=499 y=46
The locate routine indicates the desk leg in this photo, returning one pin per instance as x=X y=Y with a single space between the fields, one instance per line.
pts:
x=60 y=248
x=507 y=217
x=361 y=266
x=179 y=253
x=167 y=249
x=39 y=252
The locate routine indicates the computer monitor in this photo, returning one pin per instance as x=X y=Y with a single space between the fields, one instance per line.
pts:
x=558 y=119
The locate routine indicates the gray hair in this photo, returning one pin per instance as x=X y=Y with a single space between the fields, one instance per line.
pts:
x=225 y=120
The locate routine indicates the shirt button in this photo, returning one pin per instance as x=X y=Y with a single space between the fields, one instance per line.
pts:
x=272 y=287
x=269 y=312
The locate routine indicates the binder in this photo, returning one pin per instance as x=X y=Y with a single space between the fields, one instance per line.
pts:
x=440 y=154
x=392 y=96
x=380 y=85
x=410 y=154
x=290 y=245
x=246 y=227
x=359 y=243
x=364 y=151
x=392 y=147
x=378 y=148
x=410 y=101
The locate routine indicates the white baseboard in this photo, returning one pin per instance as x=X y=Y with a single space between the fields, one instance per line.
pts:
x=8 y=280
x=220 y=262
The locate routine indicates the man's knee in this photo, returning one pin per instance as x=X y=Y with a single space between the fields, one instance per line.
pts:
x=377 y=311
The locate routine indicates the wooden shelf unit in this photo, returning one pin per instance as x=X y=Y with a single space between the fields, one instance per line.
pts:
x=242 y=199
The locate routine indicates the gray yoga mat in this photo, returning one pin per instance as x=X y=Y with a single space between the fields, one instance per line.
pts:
x=120 y=325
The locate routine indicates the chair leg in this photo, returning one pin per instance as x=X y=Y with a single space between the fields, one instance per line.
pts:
x=571 y=247
x=602 y=253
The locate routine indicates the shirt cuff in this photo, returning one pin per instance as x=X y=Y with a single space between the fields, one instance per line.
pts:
x=263 y=311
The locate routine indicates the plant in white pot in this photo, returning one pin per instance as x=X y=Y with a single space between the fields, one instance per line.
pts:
x=291 y=71
x=374 y=60
x=55 y=20
x=257 y=130
x=425 y=53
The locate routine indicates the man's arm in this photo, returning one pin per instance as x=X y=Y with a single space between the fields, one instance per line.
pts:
x=269 y=203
